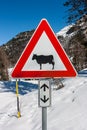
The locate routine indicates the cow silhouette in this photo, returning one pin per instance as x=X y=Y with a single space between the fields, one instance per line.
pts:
x=43 y=59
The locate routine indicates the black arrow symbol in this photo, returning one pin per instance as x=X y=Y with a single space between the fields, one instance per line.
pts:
x=44 y=86
x=45 y=100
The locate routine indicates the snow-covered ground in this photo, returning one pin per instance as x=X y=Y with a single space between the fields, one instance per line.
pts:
x=68 y=110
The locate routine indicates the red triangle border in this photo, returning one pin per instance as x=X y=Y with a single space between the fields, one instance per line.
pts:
x=17 y=71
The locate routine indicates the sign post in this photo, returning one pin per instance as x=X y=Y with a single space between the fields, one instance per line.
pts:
x=44 y=118
x=44 y=100
x=44 y=57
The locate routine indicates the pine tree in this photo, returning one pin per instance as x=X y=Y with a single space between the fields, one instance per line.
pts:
x=77 y=8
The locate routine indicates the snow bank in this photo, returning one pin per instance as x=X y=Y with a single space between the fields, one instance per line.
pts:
x=68 y=110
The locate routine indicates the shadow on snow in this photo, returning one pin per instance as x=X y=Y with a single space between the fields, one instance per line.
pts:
x=23 y=87
x=83 y=73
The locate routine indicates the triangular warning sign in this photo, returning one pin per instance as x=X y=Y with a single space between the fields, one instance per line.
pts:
x=43 y=57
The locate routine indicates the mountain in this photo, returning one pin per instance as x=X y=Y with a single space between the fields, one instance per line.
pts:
x=11 y=51
x=15 y=46
x=73 y=38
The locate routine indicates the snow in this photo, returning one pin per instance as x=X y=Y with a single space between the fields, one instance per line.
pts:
x=9 y=74
x=67 y=112
x=63 y=32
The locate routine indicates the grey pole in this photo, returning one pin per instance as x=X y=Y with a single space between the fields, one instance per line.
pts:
x=44 y=118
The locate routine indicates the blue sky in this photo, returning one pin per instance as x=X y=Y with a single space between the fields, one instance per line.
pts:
x=22 y=15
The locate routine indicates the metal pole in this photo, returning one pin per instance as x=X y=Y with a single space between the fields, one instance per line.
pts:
x=44 y=118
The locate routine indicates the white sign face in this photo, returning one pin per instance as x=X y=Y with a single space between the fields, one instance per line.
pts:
x=44 y=48
x=44 y=95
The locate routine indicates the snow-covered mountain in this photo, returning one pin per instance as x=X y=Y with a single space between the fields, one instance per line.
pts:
x=74 y=40
x=67 y=112
x=63 y=32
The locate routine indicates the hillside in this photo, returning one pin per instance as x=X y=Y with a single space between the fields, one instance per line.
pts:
x=74 y=40
x=11 y=51
x=15 y=46
x=67 y=112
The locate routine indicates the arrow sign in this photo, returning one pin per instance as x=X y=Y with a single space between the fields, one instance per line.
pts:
x=44 y=86
x=45 y=100
x=44 y=94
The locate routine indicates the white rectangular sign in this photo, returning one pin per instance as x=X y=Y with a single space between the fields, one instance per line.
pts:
x=44 y=95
